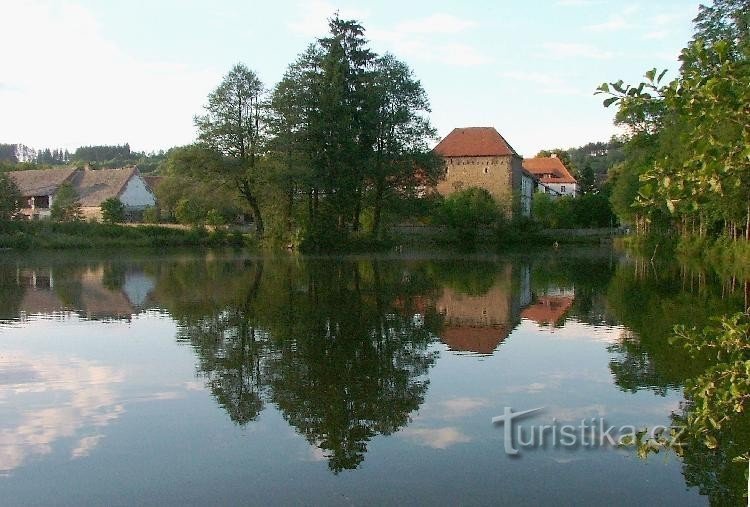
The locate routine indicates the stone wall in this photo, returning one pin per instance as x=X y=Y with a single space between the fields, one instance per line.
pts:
x=498 y=175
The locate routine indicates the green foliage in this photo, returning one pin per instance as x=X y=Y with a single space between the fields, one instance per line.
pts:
x=43 y=234
x=188 y=212
x=467 y=211
x=591 y=210
x=232 y=127
x=113 y=211
x=10 y=198
x=65 y=206
x=213 y=217
x=688 y=139
x=151 y=215
x=722 y=392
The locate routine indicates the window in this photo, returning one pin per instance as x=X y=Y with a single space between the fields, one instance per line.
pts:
x=562 y=188
x=486 y=170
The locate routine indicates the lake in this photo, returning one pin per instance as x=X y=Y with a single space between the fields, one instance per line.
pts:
x=217 y=378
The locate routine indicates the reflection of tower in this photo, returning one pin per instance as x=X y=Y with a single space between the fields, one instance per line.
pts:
x=479 y=323
x=550 y=308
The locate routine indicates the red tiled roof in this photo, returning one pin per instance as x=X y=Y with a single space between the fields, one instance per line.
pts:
x=480 y=340
x=474 y=142
x=548 y=309
x=541 y=167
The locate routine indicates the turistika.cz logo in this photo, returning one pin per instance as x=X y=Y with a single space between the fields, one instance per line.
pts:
x=590 y=433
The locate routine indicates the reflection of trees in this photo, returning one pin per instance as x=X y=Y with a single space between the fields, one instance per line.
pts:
x=228 y=346
x=331 y=343
x=714 y=471
x=650 y=303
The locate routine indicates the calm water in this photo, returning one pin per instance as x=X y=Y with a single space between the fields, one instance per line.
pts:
x=222 y=379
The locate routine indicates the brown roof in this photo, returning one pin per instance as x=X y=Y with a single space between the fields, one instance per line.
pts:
x=548 y=309
x=152 y=181
x=548 y=170
x=480 y=340
x=96 y=186
x=474 y=142
x=40 y=182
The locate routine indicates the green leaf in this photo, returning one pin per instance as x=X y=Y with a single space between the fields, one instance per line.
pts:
x=608 y=102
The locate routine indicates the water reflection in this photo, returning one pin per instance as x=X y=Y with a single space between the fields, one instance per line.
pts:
x=63 y=398
x=343 y=349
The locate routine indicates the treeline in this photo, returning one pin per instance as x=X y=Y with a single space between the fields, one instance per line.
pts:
x=687 y=166
x=15 y=157
x=590 y=163
x=325 y=154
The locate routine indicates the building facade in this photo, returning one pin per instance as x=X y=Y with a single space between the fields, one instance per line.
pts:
x=554 y=178
x=481 y=157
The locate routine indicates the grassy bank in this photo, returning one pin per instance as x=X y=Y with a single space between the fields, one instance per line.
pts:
x=45 y=234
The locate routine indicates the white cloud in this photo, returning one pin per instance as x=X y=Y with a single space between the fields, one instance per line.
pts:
x=415 y=40
x=437 y=438
x=576 y=50
x=548 y=84
x=70 y=82
x=576 y=3
x=83 y=402
x=314 y=15
x=436 y=23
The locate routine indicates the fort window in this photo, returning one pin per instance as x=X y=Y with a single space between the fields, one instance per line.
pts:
x=486 y=170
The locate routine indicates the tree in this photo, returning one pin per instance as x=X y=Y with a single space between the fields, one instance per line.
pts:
x=10 y=198
x=690 y=136
x=402 y=130
x=232 y=127
x=113 y=210
x=467 y=211
x=65 y=206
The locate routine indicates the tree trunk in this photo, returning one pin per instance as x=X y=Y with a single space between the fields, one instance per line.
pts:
x=379 y=191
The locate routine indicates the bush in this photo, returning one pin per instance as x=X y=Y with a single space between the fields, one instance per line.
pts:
x=468 y=210
x=151 y=215
x=65 y=205
x=188 y=212
x=113 y=211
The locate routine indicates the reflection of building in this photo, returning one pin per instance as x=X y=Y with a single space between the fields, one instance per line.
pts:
x=85 y=291
x=479 y=323
x=549 y=309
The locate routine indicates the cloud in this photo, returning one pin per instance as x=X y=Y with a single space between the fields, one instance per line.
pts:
x=70 y=80
x=436 y=23
x=415 y=39
x=620 y=21
x=576 y=3
x=576 y=50
x=437 y=438
x=548 y=84
x=313 y=21
x=82 y=401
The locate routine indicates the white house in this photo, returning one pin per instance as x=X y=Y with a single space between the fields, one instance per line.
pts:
x=553 y=176
x=39 y=187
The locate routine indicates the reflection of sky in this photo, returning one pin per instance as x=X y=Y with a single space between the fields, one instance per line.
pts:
x=44 y=399
x=83 y=411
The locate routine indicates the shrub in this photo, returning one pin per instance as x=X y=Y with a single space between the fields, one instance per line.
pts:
x=113 y=211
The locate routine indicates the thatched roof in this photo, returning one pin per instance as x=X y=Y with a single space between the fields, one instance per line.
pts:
x=39 y=182
x=96 y=186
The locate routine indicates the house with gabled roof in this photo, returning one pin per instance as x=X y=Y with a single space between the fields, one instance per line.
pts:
x=553 y=176
x=481 y=157
x=39 y=187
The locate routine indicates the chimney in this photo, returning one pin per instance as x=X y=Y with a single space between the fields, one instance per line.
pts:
x=554 y=155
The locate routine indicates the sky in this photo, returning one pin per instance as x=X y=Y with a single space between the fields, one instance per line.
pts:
x=88 y=72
